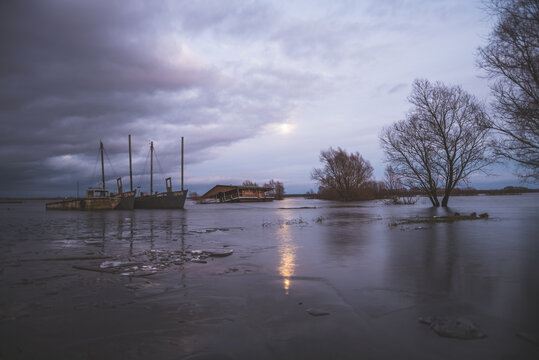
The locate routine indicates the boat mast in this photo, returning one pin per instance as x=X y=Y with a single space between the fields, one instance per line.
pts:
x=130 y=167
x=102 y=164
x=182 y=163
x=151 y=168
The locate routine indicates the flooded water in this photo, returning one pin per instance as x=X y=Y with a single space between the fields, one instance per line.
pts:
x=292 y=279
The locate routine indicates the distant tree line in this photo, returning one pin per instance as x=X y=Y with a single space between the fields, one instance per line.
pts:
x=448 y=134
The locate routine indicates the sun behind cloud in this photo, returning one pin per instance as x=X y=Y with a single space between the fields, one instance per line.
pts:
x=286 y=128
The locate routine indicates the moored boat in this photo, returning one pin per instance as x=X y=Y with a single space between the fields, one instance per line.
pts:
x=96 y=199
x=99 y=198
x=127 y=199
x=166 y=200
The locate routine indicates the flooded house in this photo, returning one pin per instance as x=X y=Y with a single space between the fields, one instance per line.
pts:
x=237 y=193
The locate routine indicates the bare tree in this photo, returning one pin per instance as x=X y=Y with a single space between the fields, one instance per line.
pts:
x=194 y=195
x=395 y=189
x=511 y=60
x=440 y=143
x=392 y=180
x=278 y=189
x=249 y=183
x=343 y=173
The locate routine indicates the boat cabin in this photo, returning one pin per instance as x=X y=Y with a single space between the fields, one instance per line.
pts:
x=96 y=193
x=237 y=193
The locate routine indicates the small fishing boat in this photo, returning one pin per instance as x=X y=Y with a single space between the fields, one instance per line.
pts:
x=99 y=198
x=166 y=200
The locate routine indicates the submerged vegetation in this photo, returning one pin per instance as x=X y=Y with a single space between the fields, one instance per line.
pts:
x=440 y=219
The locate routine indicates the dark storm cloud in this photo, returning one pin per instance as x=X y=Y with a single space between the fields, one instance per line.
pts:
x=73 y=72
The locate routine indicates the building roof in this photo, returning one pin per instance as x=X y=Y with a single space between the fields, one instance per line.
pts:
x=224 y=188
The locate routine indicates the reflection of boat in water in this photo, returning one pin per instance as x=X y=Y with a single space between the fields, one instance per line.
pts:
x=166 y=200
x=99 y=198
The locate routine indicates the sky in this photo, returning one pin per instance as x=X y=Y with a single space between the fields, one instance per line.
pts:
x=256 y=88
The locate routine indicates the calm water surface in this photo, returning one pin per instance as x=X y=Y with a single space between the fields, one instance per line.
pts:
x=374 y=278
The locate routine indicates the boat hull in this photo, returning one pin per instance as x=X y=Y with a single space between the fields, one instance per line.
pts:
x=127 y=200
x=166 y=200
x=110 y=203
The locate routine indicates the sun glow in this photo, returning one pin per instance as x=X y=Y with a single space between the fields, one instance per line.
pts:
x=285 y=128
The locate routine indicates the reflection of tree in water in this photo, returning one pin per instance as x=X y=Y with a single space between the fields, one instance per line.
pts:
x=346 y=231
x=287 y=252
x=440 y=255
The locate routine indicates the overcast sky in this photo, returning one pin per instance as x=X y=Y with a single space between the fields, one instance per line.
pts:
x=257 y=88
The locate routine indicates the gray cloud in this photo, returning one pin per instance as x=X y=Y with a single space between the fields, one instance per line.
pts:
x=217 y=72
x=398 y=88
x=76 y=72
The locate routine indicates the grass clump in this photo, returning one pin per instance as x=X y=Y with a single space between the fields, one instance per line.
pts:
x=440 y=219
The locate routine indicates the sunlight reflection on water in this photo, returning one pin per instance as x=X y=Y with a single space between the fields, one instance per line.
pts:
x=287 y=252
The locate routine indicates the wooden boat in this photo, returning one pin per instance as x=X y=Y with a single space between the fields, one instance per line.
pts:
x=96 y=199
x=99 y=198
x=127 y=199
x=166 y=200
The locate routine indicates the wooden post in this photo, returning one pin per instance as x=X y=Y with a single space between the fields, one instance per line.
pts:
x=102 y=165
x=130 y=167
x=182 y=163
x=151 y=168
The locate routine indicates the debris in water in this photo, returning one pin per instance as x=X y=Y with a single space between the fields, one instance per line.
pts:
x=114 y=264
x=144 y=273
x=459 y=328
x=317 y=312
x=297 y=221
x=152 y=261
x=219 y=252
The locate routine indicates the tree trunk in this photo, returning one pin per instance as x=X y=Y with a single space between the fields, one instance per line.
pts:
x=434 y=199
x=445 y=200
